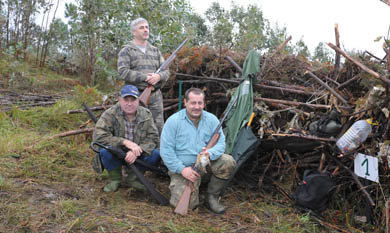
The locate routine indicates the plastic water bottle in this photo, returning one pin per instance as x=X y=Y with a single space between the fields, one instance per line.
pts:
x=354 y=136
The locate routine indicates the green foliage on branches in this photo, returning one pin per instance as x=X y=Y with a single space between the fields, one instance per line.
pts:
x=88 y=40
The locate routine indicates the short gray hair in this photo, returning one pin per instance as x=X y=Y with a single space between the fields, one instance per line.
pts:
x=133 y=24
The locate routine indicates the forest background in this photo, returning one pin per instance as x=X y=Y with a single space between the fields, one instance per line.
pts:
x=87 y=41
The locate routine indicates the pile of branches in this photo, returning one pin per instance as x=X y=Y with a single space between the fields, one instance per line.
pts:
x=10 y=99
x=292 y=93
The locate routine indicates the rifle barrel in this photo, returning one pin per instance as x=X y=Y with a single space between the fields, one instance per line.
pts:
x=170 y=58
x=225 y=114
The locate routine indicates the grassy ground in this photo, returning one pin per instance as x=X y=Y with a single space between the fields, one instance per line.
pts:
x=47 y=184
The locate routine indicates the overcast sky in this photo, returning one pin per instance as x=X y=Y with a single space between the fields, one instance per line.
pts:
x=360 y=21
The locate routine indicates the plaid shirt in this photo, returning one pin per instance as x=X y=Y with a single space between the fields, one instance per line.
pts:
x=129 y=131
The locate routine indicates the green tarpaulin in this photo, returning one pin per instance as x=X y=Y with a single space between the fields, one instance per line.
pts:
x=242 y=110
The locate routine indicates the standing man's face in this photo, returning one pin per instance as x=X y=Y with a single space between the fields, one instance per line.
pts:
x=194 y=105
x=141 y=32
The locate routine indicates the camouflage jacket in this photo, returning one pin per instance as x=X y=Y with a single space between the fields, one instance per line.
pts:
x=133 y=64
x=110 y=129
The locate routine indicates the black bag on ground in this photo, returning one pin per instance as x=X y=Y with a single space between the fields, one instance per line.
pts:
x=314 y=191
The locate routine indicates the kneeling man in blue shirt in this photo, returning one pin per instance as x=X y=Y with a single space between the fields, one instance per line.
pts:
x=184 y=136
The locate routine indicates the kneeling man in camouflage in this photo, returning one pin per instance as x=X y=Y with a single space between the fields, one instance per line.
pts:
x=126 y=124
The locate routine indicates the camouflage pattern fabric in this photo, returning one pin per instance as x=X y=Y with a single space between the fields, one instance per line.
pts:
x=110 y=129
x=133 y=65
x=221 y=168
x=156 y=108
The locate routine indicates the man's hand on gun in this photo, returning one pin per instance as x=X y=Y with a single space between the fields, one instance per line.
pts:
x=134 y=151
x=130 y=157
x=152 y=78
x=190 y=174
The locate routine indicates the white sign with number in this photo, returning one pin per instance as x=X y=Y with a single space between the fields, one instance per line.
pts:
x=367 y=167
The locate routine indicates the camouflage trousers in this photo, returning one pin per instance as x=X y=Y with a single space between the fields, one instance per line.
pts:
x=222 y=168
x=156 y=108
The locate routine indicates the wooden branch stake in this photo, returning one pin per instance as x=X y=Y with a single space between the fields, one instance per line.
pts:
x=73 y=132
x=387 y=2
x=261 y=86
x=305 y=137
x=96 y=108
x=337 y=57
x=279 y=153
x=328 y=88
x=294 y=103
x=234 y=63
x=363 y=67
x=321 y=162
x=335 y=171
x=341 y=86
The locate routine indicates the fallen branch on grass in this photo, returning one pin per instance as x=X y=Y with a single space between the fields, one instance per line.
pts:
x=73 y=132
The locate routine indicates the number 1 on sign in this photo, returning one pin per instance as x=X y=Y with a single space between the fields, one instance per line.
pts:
x=366 y=167
x=366 y=162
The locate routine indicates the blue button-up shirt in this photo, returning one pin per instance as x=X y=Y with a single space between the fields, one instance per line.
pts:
x=181 y=141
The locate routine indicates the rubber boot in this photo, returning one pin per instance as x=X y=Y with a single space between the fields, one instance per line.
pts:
x=115 y=177
x=132 y=181
x=213 y=190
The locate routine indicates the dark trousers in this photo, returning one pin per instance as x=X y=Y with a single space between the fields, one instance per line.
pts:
x=110 y=162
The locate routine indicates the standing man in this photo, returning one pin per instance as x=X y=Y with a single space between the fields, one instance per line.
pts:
x=137 y=62
x=126 y=124
x=184 y=136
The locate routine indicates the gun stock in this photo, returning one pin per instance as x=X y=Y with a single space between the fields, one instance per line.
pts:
x=120 y=154
x=147 y=92
x=145 y=95
x=184 y=201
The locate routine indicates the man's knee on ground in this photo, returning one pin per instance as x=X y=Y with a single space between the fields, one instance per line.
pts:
x=223 y=167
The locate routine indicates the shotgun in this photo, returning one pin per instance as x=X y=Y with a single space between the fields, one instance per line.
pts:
x=147 y=92
x=184 y=201
x=120 y=154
